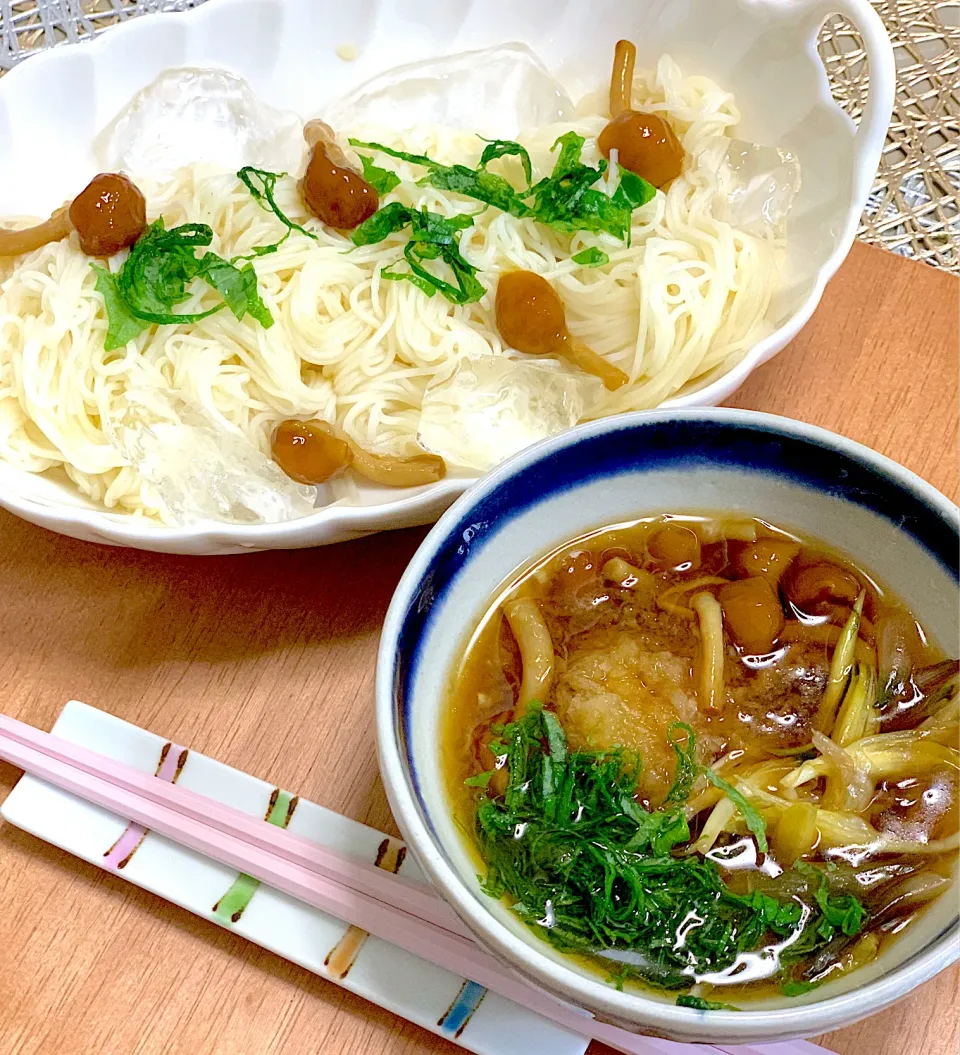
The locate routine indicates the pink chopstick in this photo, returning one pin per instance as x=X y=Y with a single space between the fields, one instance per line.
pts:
x=417 y=898
x=398 y=910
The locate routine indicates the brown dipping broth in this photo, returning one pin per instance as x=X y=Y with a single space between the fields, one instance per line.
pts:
x=626 y=668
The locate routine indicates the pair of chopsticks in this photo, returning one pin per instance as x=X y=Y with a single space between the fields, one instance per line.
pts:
x=404 y=912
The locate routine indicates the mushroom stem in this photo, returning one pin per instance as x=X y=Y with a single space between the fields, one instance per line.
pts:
x=621 y=80
x=16 y=243
x=412 y=470
x=393 y=470
x=317 y=131
x=590 y=363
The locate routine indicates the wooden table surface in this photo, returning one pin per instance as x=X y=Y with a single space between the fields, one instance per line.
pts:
x=209 y=651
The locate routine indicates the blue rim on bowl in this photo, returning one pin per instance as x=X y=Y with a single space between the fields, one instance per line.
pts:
x=787 y=455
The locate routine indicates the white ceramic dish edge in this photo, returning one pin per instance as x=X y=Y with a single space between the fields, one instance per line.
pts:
x=339 y=523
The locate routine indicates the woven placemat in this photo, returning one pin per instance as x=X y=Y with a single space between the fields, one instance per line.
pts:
x=914 y=209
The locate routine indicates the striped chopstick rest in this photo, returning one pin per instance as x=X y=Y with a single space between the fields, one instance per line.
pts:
x=459 y=1008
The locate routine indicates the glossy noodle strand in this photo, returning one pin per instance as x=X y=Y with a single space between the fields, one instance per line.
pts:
x=686 y=298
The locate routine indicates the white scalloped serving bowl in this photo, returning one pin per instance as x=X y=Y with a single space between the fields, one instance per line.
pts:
x=764 y=51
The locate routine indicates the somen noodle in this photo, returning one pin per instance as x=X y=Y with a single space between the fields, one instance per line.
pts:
x=684 y=300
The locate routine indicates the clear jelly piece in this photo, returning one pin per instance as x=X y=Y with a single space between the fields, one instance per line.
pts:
x=756 y=187
x=201 y=470
x=493 y=406
x=205 y=475
x=199 y=116
x=496 y=92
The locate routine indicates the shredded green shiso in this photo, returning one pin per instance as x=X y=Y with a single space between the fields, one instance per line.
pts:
x=591 y=871
x=565 y=201
x=154 y=278
x=162 y=264
x=432 y=237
